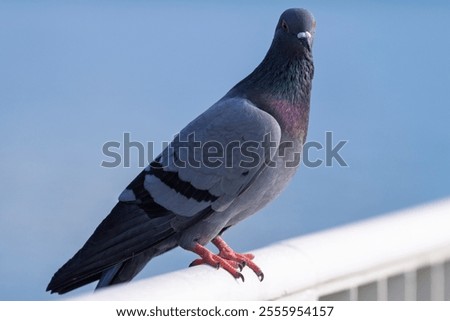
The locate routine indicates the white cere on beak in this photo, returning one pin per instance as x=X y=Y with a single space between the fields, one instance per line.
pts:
x=304 y=34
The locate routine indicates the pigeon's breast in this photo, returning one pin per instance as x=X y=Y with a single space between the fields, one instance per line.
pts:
x=270 y=183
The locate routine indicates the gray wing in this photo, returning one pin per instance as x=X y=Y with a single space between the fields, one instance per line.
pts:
x=212 y=160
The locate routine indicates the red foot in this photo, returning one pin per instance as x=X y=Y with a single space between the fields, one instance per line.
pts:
x=227 y=259
x=215 y=261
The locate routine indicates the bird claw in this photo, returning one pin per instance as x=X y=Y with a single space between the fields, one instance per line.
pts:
x=216 y=261
x=260 y=276
x=227 y=259
x=197 y=262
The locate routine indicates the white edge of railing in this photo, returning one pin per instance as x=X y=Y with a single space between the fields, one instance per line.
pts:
x=309 y=266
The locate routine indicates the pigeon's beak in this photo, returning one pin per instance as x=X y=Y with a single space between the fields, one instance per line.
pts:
x=306 y=37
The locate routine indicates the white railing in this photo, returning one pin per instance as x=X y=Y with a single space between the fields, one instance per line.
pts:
x=401 y=256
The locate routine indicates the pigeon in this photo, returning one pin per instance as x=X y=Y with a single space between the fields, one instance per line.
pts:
x=224 y=166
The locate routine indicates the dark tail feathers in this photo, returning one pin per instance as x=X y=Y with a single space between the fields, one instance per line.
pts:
x=117 y=250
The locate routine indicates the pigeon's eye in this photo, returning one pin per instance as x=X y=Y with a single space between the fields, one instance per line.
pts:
x=284 y=25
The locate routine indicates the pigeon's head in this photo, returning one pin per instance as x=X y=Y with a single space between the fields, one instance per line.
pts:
x=295 y=31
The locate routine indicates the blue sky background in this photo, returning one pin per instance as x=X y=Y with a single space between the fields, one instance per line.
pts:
x=74 y=75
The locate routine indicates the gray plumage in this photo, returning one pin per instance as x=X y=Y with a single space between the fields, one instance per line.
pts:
x=179 y=202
